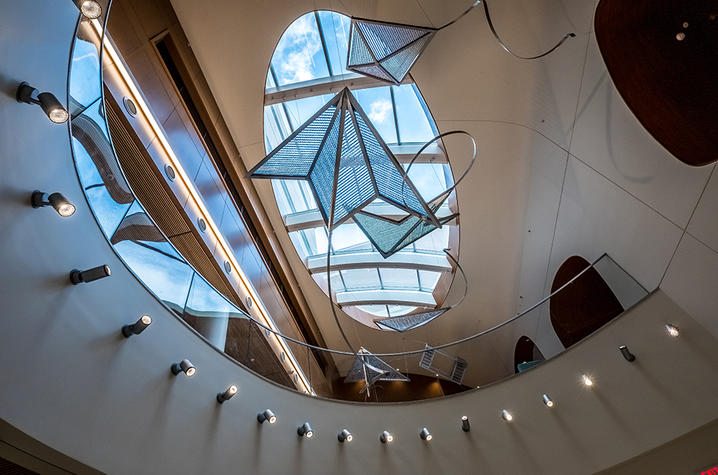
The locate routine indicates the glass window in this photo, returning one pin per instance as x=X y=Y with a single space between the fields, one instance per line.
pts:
x=399 y=279
x=378 y=310
x=415 y=125
x=361 y=279
x=299 y=55
x=428 y=280
x=335 y=28
x=399 y=310
x=376 y=102
x=349 y=238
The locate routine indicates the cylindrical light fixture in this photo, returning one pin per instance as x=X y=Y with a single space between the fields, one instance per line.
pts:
x=266 y=415
x=672 y=330
x=630 y=357
x=386 y=437
x=89 y=275
x=185 y=366
x=547 y=400
x=90 y=9
x=465 y=424
x=506 y=415
x=137 y=327
x=345 y=436
x=227 y=394
x=62 y=205
x=47 y=101
x=305 y=430
x=425 y=434
x=587 y=380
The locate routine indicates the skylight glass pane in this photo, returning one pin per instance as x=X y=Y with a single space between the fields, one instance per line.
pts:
x=282 y=198
x=301 y=110
x=413 y=122
x=337 y=285
x=378 y=310
x=276 y=127
x=428 y=280
x=405 y=279
x=376 y=102
x=361 y=279
x=336 y=35
x=299 y=55
x=348 y=237
x=315 y=239
x=429 y=179
x=270 y=81
x=434 y=241
x=399 y=310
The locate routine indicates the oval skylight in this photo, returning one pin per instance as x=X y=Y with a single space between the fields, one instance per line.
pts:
x=307 y=69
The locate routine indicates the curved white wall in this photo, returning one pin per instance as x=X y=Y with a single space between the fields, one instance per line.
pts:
x=72 y=382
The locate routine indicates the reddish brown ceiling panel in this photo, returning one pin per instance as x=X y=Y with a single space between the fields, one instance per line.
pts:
x=663 y=58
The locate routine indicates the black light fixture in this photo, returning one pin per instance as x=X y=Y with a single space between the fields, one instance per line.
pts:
x=137 y=327
x=386 y=437
x=89 y=275
x=630 y=357
x=62 y=205
x=227 y=394
x=47 y=101
x=425 y=434
x=465 y=424
x=547 y=400
x=90 y=9
x=345 y=436
x=305 y=430
x=185 y=366
x=266 y=415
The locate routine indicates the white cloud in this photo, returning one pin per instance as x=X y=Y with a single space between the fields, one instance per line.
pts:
x=379 y=110
x=295 y=52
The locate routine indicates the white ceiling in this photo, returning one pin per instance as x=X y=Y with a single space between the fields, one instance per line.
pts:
x=564 y=168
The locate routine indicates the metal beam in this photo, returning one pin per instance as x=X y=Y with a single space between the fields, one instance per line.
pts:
x=412 y=298
x=327 y=85
x=368 y=260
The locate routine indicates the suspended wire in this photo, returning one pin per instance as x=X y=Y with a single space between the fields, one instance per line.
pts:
x=505 y=47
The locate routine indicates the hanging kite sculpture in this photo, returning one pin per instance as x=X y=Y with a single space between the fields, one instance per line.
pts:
x=387 y=51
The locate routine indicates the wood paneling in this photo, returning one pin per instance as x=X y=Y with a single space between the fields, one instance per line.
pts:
x=670 y=85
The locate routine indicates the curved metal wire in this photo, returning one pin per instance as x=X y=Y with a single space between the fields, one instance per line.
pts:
x=443 y=345
x=504 y=46
x=463 y=275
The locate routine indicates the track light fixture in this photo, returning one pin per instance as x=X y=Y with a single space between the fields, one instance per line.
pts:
x=630 y=357
x=465 y=424
x=266 y=415
x=62 y=205
x=137 y=327
x=345 y=436
x=47 y=101
x=506 y=415
x=305 y=430
x=425 y=434
x=227 y=394
x=587 y=380
x=185 y=366
x=547 y=400
x=672 y=330
x=386 y=437
x=89 y=275
x=90 y=9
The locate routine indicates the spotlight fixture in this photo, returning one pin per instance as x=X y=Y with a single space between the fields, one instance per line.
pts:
x=547 y=400
x=227 y=394
x=266 y=415
x=345 y=436
x=672 y=330
x=630 y=357
x=587 y=380
x=305 y=430
x=47 y=101
x=90 y=9
x=506 y=415
x=465 y=424
x=185 y=366
x=89 y=275
x=137 y=327
x=62 y=205
x=386 y=437
x=425 y=434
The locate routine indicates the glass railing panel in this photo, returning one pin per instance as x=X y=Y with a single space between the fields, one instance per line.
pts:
x=152 y=258
x=626 y=289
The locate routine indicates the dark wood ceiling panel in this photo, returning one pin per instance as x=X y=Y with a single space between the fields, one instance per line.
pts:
x=663 y=59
